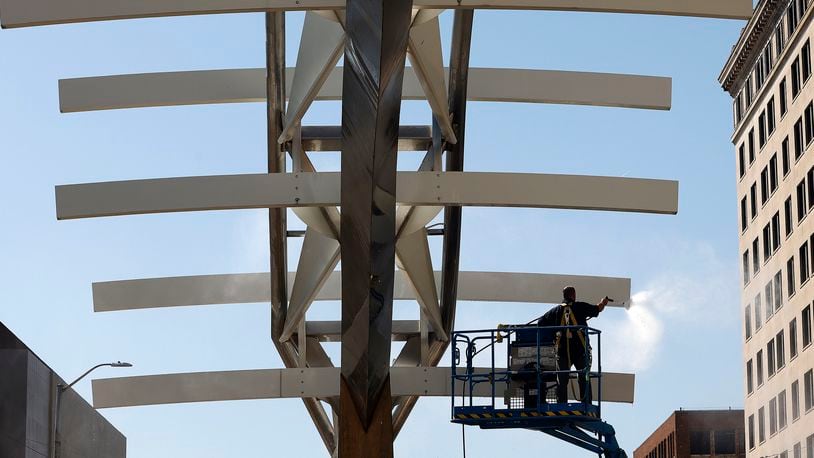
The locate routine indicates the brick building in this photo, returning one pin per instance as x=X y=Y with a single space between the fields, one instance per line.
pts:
x=686 y=433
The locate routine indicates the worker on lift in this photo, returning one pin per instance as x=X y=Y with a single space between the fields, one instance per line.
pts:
x=573 y=348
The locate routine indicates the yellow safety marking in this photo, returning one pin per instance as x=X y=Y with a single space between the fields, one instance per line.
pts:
x=487 y=415
x=535 y=414
x=474 y=415
x=563 y=413
x=523 y=414
x=462 y=416
x=501 y=415
x=550 y=414
x=576 y=412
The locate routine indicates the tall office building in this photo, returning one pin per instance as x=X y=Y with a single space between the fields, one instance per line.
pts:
x=768 y=75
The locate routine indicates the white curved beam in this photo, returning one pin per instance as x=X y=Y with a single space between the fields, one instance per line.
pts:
x=27 y=13
x=320 y=382
x=475 y=189
x=248 y=85
x=499 y=287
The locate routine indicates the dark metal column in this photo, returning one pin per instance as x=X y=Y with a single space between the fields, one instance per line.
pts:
x=275 y=93
x=375 y=51
x=458 y=79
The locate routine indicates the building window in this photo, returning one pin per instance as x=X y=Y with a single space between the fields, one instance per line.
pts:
x=753 y=196
x=808 y=390
x=747 y=321
x=767 y=241
x=799 y=145
x=792 y=338
x=725 y=443
x=773 y=174
x=750 y=383
x=805 y=61
x=770 y=358
x=785 y=154
x=781 y=410
x=779 y=40
x=758 y=312
x=802 y=204
x=810 y=446
x=755 y=255
x=798 y=451
x=805 y=320
x=768 y=59
x=759 y=364
x=783 y=106
x=751 y=144
x=811 y=245
x=751 y=432
x=804 y=266
x=768 y=294
x=776 y=232
x=780 y=348
x=787 y=213
x=737 y=110
x=761 y=130
x=770 y=117
x=810 y=187
x=742 y=160
x=745 y=214
x=809 y=123
x=772 y=417
x=802 y=5
x=791 y=18
x=748 y=87
x=778 y=290
x=746 y=267
x=764 y=185
x=761 y=425
x=699 y=443
x=795 y=82
x=790 y=278
x=795 y=400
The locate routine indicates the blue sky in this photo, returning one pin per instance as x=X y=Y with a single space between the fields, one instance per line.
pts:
x=684 y=266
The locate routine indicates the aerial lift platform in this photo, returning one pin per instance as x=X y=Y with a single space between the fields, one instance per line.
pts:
x=527 y=384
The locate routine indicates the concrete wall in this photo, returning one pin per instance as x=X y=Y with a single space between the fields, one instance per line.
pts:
x=27 y=388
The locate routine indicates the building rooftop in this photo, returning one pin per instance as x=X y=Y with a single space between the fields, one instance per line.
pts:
x=747 y=49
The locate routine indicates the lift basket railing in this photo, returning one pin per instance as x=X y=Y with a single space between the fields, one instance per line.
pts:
x=522 y=368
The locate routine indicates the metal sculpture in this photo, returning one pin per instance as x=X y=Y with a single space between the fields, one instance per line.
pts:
x=382 y=225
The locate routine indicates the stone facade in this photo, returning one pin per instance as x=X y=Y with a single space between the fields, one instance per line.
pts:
x=769 y=75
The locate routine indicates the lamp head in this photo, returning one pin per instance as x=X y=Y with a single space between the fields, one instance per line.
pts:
x=120 y=364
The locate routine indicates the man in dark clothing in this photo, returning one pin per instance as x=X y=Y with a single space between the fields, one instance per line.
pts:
x=573 y=346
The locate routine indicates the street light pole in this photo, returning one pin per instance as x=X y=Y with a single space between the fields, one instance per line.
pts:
x=60 y=388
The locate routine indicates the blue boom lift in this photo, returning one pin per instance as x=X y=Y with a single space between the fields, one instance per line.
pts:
x=527 y=383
